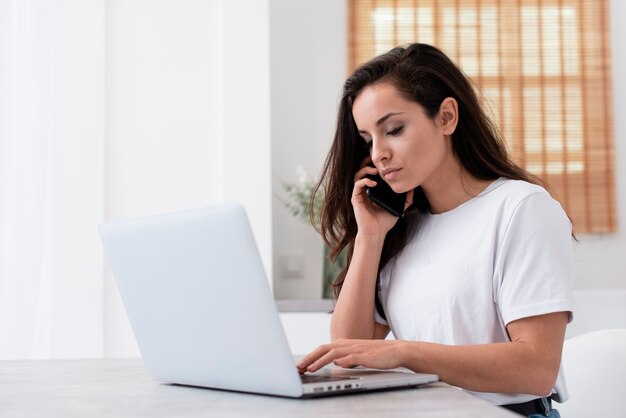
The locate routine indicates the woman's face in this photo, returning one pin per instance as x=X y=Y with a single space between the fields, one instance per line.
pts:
x=408 y=148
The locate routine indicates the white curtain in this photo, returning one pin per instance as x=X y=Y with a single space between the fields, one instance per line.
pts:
x=26 y=177
x=96 y=122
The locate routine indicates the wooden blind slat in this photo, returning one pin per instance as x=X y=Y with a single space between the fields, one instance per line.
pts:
x=565 y=197
x=587 y=222
x=608 y=120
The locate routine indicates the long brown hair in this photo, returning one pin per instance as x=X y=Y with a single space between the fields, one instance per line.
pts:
x=425 y=75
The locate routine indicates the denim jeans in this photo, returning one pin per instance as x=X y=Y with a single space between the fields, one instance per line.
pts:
x=553 y=414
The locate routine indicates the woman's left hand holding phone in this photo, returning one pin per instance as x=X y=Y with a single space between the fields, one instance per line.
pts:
x=370 y=218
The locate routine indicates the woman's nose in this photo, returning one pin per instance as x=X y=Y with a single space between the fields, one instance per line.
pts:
x=378 y=152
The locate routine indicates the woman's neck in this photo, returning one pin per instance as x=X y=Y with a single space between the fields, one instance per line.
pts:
x=452 y=187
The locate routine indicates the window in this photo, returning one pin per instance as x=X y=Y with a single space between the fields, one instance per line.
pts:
x=543 y=68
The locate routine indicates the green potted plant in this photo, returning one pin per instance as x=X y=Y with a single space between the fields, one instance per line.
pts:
x=296 y=200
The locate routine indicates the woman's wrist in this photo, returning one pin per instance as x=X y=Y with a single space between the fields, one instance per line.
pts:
x=403 y=352
x=407 y=353
x=370 y=240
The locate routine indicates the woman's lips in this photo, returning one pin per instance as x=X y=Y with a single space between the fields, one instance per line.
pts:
x=390 y=173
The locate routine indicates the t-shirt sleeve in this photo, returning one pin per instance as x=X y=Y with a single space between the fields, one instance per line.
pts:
x=534 y=266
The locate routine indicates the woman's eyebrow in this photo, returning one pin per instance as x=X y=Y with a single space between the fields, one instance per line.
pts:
x=383 y=119
x=387 y=116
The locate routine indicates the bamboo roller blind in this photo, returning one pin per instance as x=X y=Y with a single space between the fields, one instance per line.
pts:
x=543 y=68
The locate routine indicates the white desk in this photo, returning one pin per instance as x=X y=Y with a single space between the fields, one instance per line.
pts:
x=122 y=388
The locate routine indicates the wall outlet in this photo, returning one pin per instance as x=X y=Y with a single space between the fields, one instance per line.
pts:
x=292 y=266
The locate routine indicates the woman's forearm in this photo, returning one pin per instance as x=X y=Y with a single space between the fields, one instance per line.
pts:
x=528 y=364
x=353 y=316
x=499 y=367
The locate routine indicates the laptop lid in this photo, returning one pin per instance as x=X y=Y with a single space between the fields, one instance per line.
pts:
x=201 y=308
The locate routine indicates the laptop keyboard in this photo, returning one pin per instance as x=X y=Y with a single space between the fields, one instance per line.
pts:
x=316 y=378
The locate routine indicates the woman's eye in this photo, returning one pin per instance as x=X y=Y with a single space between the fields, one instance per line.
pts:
x=395 y=131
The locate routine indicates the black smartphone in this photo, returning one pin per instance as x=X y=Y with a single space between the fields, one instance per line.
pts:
x=383 y=195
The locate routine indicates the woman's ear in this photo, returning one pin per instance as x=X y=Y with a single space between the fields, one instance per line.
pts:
x=449 y=115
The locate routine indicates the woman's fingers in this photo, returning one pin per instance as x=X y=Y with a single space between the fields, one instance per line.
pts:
x=312 y=357
x=364 y=183
x=327 y=358
x=358 y=193
x=344 y=353
x=364 y=171
x=378 y=354
x=349 y=361
x=323 y=355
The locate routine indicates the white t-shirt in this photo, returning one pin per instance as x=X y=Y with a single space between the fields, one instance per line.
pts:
x=503 y=255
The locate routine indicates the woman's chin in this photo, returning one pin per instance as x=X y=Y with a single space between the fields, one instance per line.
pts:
x=401 y=188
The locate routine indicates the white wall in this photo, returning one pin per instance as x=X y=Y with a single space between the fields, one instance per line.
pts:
x=78 y=79
x=170 y=98
x=308 y=66
x=160 y=113
x=596 y=309
x=53 y=123
x=159 y=106
x=187 y=118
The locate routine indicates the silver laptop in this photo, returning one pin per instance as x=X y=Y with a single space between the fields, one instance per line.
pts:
x=203 y=313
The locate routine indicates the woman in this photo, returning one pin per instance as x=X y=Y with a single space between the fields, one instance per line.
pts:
x=474 y=278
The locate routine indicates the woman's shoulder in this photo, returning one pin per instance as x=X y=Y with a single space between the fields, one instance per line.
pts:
x=515 y=188
x=519 y=196
x=512 y=195
x=514 y=191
